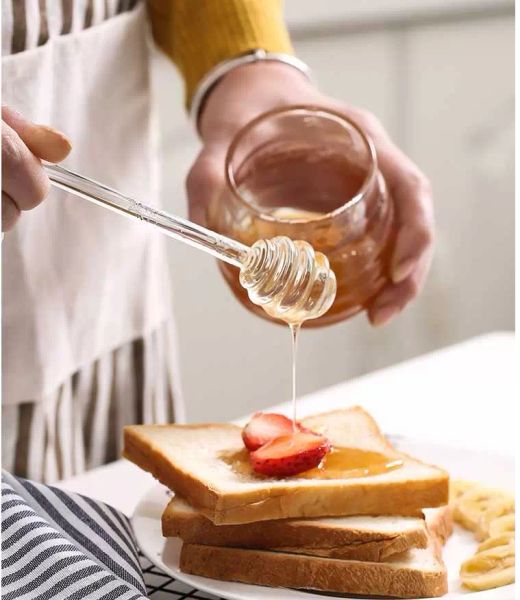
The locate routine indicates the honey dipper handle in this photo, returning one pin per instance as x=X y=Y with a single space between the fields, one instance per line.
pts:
x=213 y=243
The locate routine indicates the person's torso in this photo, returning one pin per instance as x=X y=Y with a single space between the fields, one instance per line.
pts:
x=78 y=280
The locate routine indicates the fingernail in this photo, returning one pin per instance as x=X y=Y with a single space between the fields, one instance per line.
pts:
x=403 y=269
x=383 y=315
x=48 y=143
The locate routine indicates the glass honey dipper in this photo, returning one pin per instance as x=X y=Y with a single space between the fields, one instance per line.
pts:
x=288 y=279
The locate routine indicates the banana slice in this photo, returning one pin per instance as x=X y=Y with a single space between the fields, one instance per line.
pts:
x=458 y=487
x=503 y=539
x=489 y=513
x=490 y=568
x=496 y=510
x=486 y=581
x=501 y=525
x=478 y=506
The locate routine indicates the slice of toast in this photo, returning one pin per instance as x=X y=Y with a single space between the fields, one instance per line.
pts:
x=417 y=573
x=198 y=462
x=439 y=522
x=356 y=537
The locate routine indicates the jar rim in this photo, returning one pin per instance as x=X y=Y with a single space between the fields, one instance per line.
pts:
x=318 y=111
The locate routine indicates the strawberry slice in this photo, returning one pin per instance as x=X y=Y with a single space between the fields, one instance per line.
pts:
x=265 y=427
x=290 y=454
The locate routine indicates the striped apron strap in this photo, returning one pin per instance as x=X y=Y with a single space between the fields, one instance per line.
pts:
x=59 y=545
x=28 y=24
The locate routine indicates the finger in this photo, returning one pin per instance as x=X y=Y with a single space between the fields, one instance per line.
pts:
x=23 y=178
x=10 y=212
x=43 y=141
x=395 y=296
x=414 y=210
x=413 y=242
x=205 y=182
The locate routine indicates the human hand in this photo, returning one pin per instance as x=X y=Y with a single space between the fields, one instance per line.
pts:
x=24 y=182
x=248 y=91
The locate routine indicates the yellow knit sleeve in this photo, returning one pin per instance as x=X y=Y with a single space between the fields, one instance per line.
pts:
x=198 y=34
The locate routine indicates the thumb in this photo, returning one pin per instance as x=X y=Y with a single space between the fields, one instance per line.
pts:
x=205 y=182
x=43 y=141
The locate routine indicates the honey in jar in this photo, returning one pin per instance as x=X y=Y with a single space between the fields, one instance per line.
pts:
x=310 y=174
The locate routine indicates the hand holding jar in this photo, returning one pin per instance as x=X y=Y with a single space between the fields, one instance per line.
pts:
x=322 y=171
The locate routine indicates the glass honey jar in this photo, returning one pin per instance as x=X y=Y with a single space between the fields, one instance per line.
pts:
x=310 y=174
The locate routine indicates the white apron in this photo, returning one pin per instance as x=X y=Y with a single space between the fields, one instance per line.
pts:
x=81 y=284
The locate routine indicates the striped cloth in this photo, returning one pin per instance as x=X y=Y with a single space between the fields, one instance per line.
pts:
x=27 y=24
x=58 y=545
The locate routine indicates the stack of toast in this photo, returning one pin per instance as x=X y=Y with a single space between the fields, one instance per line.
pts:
x=375 y=534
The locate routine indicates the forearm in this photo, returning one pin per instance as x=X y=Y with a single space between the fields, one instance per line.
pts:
x=198 y=34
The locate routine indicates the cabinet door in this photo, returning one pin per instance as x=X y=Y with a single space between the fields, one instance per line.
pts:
x=447 y=99
x=460 y=129
x=360 y=69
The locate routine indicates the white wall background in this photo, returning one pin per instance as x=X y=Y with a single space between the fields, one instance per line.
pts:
x=440 y=76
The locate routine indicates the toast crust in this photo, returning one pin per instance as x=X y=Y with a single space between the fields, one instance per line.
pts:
x=439 y=523
x=399 y=498
x=363 y=551
x=310 y=536
x=161 y=468
x=277 y=569
x=282 y=500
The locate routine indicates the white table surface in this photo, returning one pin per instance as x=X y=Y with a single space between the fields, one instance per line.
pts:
x=463 y=395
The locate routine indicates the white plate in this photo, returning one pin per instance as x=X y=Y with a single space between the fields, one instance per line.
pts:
x=493 y=470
